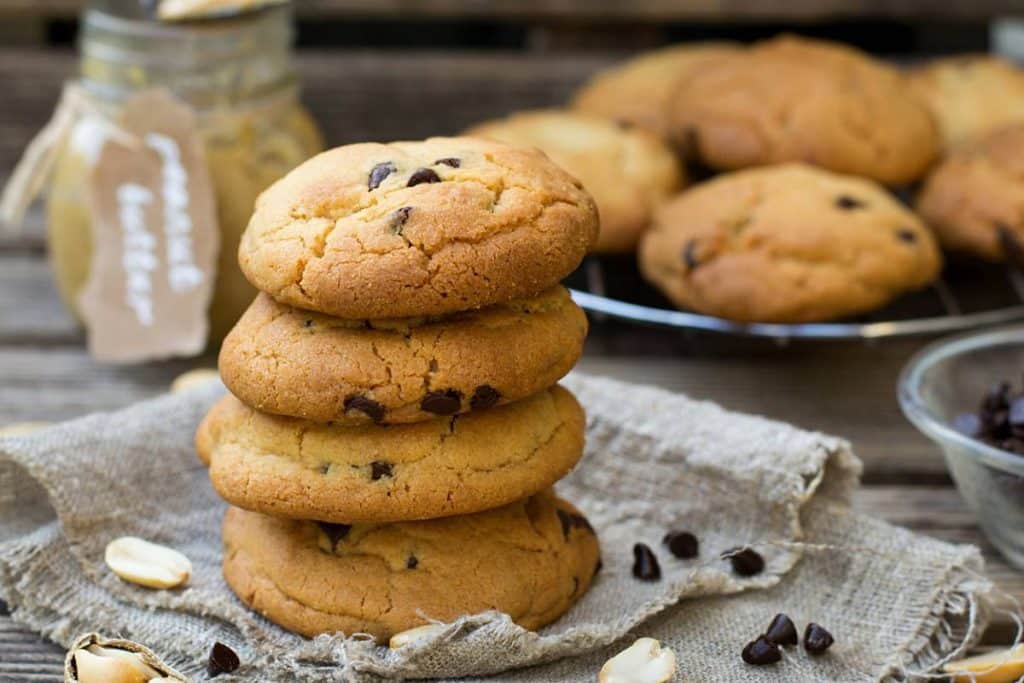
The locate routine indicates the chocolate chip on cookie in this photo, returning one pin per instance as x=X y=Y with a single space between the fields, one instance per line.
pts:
x=484 y=396
x=449 y=161
x=848 y=203
x=446 y=402
x=380 y=469
x=399 y=219
x=379 y=173
x=423 y=175
x=334 y=532
x=367 y=406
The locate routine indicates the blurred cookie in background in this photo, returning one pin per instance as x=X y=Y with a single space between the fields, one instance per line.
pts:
x=628 y=171
x=787 y=244
x=974 y=199
x=794 y=99
x=970 y=95
x=639 y=91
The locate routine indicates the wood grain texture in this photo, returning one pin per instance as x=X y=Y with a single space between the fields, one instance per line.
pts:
x=595 y=10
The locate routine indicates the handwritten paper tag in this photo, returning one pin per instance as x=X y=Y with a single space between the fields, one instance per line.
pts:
x=155 y=236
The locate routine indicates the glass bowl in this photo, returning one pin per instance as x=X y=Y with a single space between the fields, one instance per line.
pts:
x=951 y=377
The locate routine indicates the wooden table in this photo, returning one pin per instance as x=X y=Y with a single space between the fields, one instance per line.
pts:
x=843 y=388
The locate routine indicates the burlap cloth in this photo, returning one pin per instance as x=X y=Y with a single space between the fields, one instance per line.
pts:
x=898 y=604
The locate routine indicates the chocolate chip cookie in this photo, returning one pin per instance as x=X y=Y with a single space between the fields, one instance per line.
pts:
x=288 y=361
x=532 y=560
x=793 y=99
x=288 y=467
x=971 y=95
x=627 y=171
x=974 y=199
x=788 y=243
x=639 y=91
x=417 y=228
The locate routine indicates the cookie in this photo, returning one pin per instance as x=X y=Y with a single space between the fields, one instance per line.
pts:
x=789 y=243
x=288 y=361
x=792 y=99
x=288 y=467
x=627 y=171
x=532 y=560
x=974 y=199
x=639 y=91
x=970 y=95
x=417 y=228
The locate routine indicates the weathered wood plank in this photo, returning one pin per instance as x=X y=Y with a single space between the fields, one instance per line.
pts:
x=596 y=10
x=30 y=310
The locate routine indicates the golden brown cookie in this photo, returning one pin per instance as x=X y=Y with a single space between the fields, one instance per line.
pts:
x=293 y=362
x=788 y=243
x=532 y=560
x=793 y=99
x=639 y=91
x=449 y=466
x=971 y=95
x=417 y=228
x=627 y=171
x=974 y=199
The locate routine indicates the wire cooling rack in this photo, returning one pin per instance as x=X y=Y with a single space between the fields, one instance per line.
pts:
x=969 y=295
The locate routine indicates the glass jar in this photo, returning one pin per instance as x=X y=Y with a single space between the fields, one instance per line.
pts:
x=236 y=74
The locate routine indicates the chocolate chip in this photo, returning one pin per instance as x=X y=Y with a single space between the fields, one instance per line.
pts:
x=444 y=402
x=449 y=161
x=412 y=562
x=782 y=631
x=398 y=219
x=848 y=203
x=380 y=469
x=423 y=175
x=334 y=532
x=367 y=406
x=308 y=323
x=379 y=173
x=1011 y=245
x=908 y=236
x=690 y=255
x=761 y=652
x=645 y=563
x=817 y=639
x=572 y=521
x=325 y=467
x=745 y=561
x=5 y=610
x=682 y=544
x=484 y=396
x=222 y=660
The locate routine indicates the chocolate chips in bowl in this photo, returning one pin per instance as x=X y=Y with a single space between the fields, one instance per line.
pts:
x=959 y=393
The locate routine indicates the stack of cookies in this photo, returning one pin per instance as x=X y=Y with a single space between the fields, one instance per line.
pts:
x=394 y=425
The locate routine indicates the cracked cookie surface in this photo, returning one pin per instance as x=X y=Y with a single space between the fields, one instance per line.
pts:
x=627 y=171
x=532 y=560
x=293 y=468
x=793 y=99
x=788 y=243
x=970 y=95
x=417 y=228
x=288 y=361
x=974 y=199
x=639 y=91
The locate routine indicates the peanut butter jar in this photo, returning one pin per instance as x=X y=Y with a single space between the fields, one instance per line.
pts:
x=236 y=75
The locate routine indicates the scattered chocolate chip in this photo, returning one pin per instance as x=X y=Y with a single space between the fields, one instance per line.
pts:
x=378 y=173
x=367 y=406
x=442 y=402
x=682 y=544
x=782 y=631
x=645 y=563
x=423 y=175
x=761 y=652
x=334 y=532
x=484 y=396
x=449 y=161
x=308 y=323
x=848 y=203
x=817 y=639
x=690 y=255
x=908 y=236
x=222 y=660
x=5 y=610
x=745 y=561
x=380 y=469
x=1012 y=247
x=412 y=562
x=398 y=219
